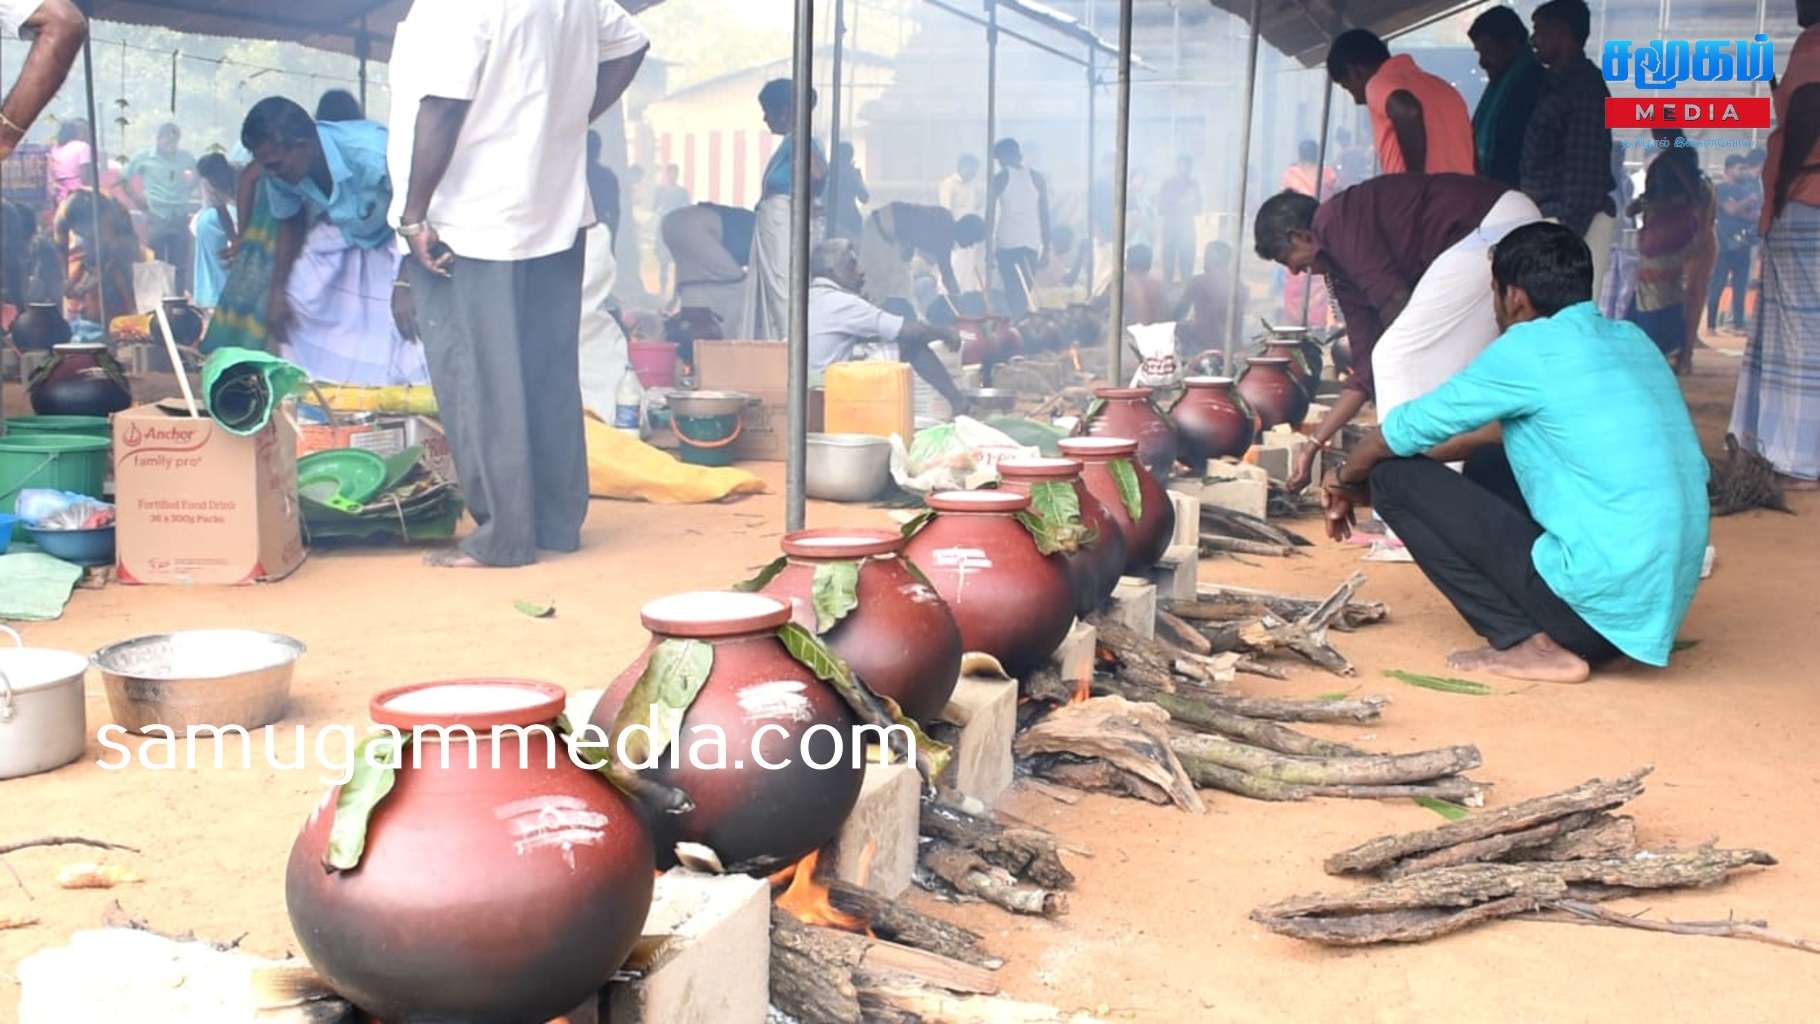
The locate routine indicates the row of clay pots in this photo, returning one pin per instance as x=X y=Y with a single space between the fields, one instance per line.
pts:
x=1216 y=417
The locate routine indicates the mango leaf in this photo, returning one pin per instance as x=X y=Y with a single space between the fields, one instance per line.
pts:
x=1685 y=645
x=834 y=593
x=1093 y=409
x=1441 y=683
x=376 y=761
x=1450 y=811
x=917 y=522
x=916 y=571
x=1333 y=695
x=642 y=788
x=765 y=575
x=1124 y=474
x=1055 y=502
x=535 y=610
x=661 y=697
x=871 y=708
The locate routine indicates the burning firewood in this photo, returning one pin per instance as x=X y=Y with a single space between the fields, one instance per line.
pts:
x=895 y=922
x=1128 y=736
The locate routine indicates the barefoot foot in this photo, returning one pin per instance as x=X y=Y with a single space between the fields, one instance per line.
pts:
x=1471 y=658
x=452 y=558
x=1539 y=659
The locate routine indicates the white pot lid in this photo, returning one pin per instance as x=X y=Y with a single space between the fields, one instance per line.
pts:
x=34 y=668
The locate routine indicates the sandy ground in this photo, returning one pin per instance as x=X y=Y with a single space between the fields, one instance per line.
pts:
x=1158 y=930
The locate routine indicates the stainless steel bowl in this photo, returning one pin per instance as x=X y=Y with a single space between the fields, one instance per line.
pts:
x=199 y=677
x=989 y=400
x=847 y=467
x=707 y=404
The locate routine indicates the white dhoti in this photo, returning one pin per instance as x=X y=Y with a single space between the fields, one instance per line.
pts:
x=341 y=328
x=766 y=312
x=1449 y=318
x=1600 y=235
x=603 y=345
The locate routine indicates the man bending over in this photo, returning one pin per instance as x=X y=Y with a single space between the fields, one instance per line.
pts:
x=1582 y=538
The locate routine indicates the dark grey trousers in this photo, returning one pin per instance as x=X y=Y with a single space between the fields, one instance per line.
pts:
x=502 y=341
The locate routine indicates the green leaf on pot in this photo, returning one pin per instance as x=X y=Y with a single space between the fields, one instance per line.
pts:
x=834 y=593
x=765 y=575
x=376 y=761
x=1093 y=409
x=1124 y=474
x=916 y=571
x=917 y=522
x=660 y=698
x=1055 y=503
x=1446 y=809
x=1441 y=683
x=871 y=708
x=642 y=788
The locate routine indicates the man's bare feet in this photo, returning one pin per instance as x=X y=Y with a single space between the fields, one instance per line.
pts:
x=1538 y=658
x=452 y=558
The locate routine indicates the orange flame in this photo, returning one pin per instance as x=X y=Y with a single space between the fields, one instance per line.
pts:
x=865 y=863
x=1075 y=355
x=807 y=899
x=1083 y=689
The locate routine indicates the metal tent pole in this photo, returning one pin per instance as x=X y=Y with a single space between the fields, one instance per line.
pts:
x=1238 y=249
x=803 y=139
x=1092 y=158
x=94 y=149
x=834 y=182
x=1115 y=340
x=363 y=49
x=1320 y=183
x=991 y=139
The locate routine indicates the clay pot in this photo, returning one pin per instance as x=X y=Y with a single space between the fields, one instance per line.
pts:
x=1010 y=600
x=40 y=328
x=1007 y=341
x=81 y=379
x=1094 y=570
x=759 y=706
x=901 y=639
x=1212 y=421
x=1148 y=537
x=1269 y=384
x=186 y=323
x=1304 y=356
x=488 y=892
x=976 y=341
x=1130 y=413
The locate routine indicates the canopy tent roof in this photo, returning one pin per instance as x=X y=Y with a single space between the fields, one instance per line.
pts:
x=326 y=24
x=1302 y=29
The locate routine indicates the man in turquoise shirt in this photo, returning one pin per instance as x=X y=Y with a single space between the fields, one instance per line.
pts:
x=1582 y=537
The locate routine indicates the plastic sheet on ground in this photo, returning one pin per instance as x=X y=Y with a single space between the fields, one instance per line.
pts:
x=956 y=456
x=621 y=466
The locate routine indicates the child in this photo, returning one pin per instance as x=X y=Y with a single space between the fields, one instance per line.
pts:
x=214 y=228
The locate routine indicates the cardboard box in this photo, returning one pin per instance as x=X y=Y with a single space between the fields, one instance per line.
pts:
x=197 y=504
x=760 y=369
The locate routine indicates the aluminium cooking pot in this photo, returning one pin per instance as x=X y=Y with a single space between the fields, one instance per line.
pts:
x=43 y=724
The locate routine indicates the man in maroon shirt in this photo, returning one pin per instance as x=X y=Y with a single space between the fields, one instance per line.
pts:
x=1405 y=255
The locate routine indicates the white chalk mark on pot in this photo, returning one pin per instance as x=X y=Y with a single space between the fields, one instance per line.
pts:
x=541 y=822
x=778 y=699
x=961 y=561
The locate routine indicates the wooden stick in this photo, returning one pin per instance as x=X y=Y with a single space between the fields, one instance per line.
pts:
x=1182 y=634
x=1216 y=595
x=1233 y=523
x=64 y=841
x=1028 y=853
x=1195 y=711
x=1368 y=770
x=1253 y=667
x=183 y=377
x=904 y=925
x=1454 y=788
x=1367 y=709
x=1211 y=545
x=1498 y=847
x=1132 y=736
x=968 y=875
x=812 y=970
x=1756 y=931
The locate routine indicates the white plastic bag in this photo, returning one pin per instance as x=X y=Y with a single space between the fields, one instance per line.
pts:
x=1158 y=366
x=153 y=282
x=956 y=456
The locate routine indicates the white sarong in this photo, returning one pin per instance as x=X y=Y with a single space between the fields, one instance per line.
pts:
x=766 y=312
x=341 y=327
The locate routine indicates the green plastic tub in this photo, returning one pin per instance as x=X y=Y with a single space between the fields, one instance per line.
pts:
x=84 y=426
x=61 y=462
x=707 y=440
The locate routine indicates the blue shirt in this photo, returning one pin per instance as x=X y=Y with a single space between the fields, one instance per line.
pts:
x=211 y=269
x=1603 y=448
x=780 y=171
x=360 y=189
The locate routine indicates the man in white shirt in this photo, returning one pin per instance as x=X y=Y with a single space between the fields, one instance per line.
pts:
x=491 y=102
x=962 y=192
x=57 y=30
x=843 y=327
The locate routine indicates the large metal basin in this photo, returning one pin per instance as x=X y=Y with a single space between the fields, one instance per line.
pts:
x=198 y=677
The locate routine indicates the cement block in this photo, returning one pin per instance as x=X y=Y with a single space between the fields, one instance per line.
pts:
x=1075 y=657
x=876 y=847
x=1134 y=605
x=1177 y=573
x=1187 y=519
x=984 y=712
x=1276 y=453
x=705 y=956
x=1248 y=495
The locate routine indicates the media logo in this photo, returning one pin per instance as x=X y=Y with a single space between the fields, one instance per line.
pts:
x=1661 y=65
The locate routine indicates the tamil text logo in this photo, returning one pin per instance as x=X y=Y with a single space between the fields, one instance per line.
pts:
x=1663 y=64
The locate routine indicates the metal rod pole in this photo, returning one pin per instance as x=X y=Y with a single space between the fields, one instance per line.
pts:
x=1320 y=183
x=991 y=140
x=1115 y=340
x=834 y=165
x=803 y=139
x=1238 y=248
x=1762 y=21
x=1093 y=89
x=94 y=148
x=363 y=48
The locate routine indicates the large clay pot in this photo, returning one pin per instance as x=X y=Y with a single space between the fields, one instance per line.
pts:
x=1094 y=569
x=759 y=707
x=81 y=379
x=1304 y=369
x=1130 y=412
x=1212 y=421
x=1271 y=388
x=1148 y=537
x=40 y=328
x=901 y=638
x=977 y=340
x=1010 y=600
x=487 y=892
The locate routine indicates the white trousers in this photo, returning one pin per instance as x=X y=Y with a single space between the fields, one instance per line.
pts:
x=603 y=344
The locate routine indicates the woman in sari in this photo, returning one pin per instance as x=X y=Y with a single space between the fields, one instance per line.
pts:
x=767 y=303
x=1777 y=410
x=1667 y=243
x=95 y=288
x=1308 y=288
x=240 y=313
